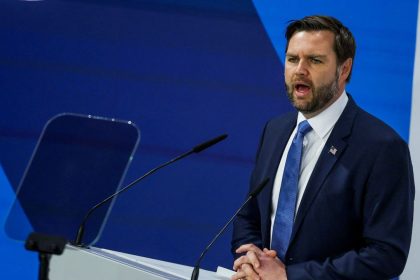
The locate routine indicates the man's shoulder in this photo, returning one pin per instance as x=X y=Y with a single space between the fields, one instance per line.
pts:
x=372 y=127
x=364 y=127
x=286 y=119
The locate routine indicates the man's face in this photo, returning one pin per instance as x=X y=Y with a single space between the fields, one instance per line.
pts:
x=313 y=80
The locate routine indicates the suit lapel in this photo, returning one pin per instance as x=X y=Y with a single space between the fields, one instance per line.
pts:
x=334 y=147
x=280 y=145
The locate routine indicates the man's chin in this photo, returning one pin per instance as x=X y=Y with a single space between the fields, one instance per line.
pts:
x=303 y=106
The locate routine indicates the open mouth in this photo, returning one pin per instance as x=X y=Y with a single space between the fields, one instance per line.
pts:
x=302 y=88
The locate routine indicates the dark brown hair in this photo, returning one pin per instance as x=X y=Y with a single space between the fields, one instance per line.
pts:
x=344 y=44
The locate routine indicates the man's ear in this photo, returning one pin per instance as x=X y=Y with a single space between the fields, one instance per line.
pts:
x=345 y=69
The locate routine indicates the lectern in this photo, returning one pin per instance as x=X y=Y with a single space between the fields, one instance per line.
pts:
x=96 y=263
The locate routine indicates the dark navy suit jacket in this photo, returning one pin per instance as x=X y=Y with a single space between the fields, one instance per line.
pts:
x=355 y=218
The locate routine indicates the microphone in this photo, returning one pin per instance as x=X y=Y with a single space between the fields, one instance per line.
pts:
x=254 y=193
x=196 y=149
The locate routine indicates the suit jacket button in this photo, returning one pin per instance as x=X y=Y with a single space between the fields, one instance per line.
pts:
x=290 y=259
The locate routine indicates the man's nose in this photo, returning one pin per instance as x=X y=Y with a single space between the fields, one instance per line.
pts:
x=302 y=68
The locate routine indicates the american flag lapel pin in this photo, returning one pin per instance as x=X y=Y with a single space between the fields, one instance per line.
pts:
x=333 y=150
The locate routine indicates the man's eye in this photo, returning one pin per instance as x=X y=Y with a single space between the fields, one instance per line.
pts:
x=292 y=59
x=316 y=61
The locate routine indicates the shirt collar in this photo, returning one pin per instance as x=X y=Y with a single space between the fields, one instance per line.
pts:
x=323 y=123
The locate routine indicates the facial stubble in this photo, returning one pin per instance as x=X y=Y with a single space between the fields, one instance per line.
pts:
x=321 y=96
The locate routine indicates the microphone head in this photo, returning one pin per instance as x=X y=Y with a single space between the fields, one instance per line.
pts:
x=209 y=143
x=259 y=188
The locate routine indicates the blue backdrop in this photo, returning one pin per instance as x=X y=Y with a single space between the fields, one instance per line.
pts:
x=183 y=71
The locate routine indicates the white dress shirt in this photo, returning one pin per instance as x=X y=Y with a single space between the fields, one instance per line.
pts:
x=313 y=143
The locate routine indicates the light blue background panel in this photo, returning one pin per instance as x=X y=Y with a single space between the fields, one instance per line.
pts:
x=15 y=262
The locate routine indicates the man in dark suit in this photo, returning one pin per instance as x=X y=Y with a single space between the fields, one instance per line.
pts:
x=352 y=195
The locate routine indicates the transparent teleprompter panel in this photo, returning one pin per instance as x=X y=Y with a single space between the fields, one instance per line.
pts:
x=78 y=161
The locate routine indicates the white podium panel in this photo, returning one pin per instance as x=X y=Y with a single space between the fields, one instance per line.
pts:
x=95 y=263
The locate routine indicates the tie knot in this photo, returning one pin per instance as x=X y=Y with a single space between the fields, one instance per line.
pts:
x=304 y=127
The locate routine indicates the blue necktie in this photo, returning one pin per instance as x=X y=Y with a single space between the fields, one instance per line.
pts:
x=283 y=222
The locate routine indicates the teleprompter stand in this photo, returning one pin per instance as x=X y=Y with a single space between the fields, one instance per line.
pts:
x=45 y=245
